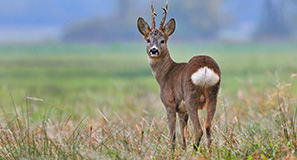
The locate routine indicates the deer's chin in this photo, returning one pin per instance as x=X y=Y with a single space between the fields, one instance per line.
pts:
x=154 y=55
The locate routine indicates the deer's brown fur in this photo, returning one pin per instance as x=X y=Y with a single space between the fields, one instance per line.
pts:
x=177 y=84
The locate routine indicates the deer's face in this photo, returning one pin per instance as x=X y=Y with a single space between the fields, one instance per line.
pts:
x=156 y=39
x=156 y=43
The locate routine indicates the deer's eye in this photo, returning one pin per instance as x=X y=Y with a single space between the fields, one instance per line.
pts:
x=148 y=40
x=162 y=41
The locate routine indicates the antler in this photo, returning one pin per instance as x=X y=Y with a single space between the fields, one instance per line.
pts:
x=165 y=14
x=153 y=16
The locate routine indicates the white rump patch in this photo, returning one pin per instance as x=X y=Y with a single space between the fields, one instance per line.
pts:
x=205 y=77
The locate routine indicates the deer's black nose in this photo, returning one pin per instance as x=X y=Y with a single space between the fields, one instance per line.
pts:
x=154 y=51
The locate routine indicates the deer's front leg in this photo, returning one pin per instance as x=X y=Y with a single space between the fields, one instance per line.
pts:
x=171 y=115
x=183 y=120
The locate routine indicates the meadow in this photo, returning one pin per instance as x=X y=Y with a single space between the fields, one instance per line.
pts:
x=101 y=101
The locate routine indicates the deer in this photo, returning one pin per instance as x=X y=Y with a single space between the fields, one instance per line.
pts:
x=185 y=88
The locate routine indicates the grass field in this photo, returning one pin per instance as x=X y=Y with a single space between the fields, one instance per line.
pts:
x=101 y=101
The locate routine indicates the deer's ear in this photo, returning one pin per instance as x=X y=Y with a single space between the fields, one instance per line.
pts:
x=169 y=27
x=143 y=27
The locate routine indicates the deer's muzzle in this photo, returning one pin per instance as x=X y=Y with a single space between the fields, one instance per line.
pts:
x=154 y=52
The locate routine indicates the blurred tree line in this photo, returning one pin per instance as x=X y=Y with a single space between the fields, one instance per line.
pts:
x=278 y=19
x=196 y=19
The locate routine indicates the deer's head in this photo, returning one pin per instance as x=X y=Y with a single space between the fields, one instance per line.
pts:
x=156 y=38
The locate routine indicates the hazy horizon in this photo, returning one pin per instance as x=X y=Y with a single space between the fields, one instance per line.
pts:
x=37 y=21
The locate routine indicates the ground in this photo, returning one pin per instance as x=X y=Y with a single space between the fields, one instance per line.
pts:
x=102 y=101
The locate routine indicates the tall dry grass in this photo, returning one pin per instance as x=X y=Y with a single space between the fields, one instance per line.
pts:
x=251 y=125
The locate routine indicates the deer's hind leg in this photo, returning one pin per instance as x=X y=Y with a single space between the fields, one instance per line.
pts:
x=191 y=101
x=211 y=102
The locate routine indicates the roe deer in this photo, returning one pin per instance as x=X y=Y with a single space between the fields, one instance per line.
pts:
x=195 y=83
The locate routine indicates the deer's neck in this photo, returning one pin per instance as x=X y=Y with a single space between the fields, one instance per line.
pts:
x=161 y=67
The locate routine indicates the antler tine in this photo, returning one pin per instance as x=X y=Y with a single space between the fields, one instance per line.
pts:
x=153 y=16
x=165 y=14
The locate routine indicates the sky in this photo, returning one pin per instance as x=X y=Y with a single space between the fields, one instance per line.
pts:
x=50 y=13
x=36 y=20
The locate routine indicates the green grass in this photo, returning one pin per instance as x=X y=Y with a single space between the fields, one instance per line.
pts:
x=115 y=112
